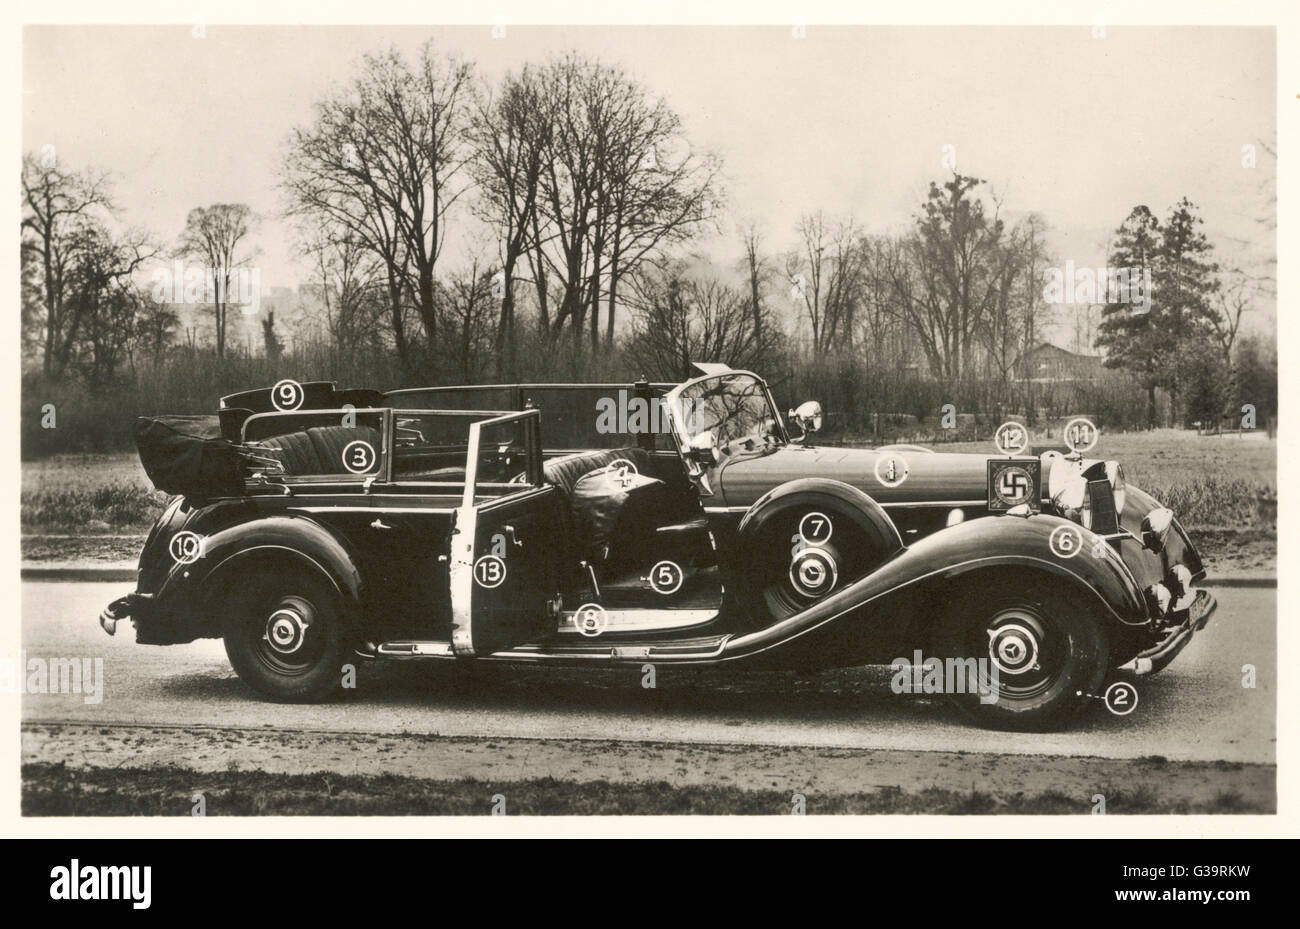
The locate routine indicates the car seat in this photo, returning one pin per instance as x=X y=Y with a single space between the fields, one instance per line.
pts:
x=318 y=450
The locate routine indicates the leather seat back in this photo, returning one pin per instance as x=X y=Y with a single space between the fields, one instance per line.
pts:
x=318 y=450
x=330 y=441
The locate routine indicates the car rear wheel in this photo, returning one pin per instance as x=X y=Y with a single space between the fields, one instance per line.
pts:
x=285 y=636
x=1040 y=651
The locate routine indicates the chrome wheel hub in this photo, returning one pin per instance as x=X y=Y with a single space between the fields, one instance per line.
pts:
x=1014 y=644
x=286 y=628
x=813 y=572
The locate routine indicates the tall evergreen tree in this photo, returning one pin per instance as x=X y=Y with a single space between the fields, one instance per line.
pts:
x=1135 y=340
x=1189 y=280
x=1155 y=338
x=271 y=343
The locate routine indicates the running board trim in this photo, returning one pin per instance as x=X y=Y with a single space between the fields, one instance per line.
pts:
x=414 y=650
x=664 y=651
x=639 y=620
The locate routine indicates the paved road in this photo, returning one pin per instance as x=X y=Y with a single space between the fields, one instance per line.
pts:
x=1196 y=710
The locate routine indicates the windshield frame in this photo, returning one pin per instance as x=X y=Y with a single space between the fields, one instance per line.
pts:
x=672 y=400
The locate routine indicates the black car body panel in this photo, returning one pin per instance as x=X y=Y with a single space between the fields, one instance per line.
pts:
x=479 y=545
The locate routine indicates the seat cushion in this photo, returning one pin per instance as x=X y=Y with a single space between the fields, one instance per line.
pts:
x=565 y=472
x=593 y=512
x=600 y=500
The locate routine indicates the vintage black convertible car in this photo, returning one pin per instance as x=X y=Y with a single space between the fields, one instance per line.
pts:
x=633 y=524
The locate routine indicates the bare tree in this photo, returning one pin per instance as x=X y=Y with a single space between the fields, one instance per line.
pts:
x=214 y=235
x=1236 y=296
x=58 y=207
x=844 y=289
x=945 y=280
x=826 y=276
x=619 y=183
x=155 y=329
x=467 y=305
x=657 y=191
x=806 y=269
x=511 y=137
x=758 y=275
x=384 y=160
x=349 y=278
x=104 y=300
x=878 y=321
x=681 y=319
x=1016 y=306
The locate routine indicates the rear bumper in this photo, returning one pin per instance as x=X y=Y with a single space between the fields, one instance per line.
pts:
x=1185 y=623
x=133 y=604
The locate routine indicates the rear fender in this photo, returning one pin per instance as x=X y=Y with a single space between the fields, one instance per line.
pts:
x=193 y=594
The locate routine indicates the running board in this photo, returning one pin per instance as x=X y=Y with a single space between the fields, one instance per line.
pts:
x=703 y=648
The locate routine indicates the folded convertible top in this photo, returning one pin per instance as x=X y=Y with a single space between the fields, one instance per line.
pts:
x=188 y=455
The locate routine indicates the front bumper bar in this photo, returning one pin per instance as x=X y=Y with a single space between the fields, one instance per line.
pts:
x=121 y=608
x=1157 y=657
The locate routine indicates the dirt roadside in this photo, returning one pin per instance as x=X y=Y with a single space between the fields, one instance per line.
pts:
x=874 y=781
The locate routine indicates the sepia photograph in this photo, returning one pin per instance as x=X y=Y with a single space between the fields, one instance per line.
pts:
x=687 y=421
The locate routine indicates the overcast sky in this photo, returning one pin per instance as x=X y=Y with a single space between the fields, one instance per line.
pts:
x=847 y=120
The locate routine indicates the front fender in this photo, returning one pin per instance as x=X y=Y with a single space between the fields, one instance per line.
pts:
x=190 y=598
x=995 y=541
x=868 y=605
x=845 y=498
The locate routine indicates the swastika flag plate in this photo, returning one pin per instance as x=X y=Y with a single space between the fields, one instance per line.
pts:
x=1013 y=481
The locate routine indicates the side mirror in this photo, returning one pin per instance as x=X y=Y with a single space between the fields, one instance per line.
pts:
x=808 y=417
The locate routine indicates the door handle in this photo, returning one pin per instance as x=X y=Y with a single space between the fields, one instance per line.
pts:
x=380 y=524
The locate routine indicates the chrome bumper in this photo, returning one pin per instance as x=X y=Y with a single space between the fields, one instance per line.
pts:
x=122 y=608
x=1157 y=658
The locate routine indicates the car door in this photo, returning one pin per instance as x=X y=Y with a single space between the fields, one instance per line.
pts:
x=504 y=560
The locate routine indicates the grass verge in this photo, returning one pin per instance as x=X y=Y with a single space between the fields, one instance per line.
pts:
x=58 y=790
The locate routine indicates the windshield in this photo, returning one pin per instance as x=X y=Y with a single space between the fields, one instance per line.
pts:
x=734 y=407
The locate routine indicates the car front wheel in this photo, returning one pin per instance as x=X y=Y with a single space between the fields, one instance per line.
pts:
x=285 y=637
x=1041 y=652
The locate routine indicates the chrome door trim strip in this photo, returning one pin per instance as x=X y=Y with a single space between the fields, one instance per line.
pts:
x=460 y=574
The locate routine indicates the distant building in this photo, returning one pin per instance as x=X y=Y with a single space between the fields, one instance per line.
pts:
x=1046 y=363
x=197 y=323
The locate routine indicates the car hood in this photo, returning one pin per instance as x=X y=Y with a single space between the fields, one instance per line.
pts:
x=932 y=476
x=937 y=478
